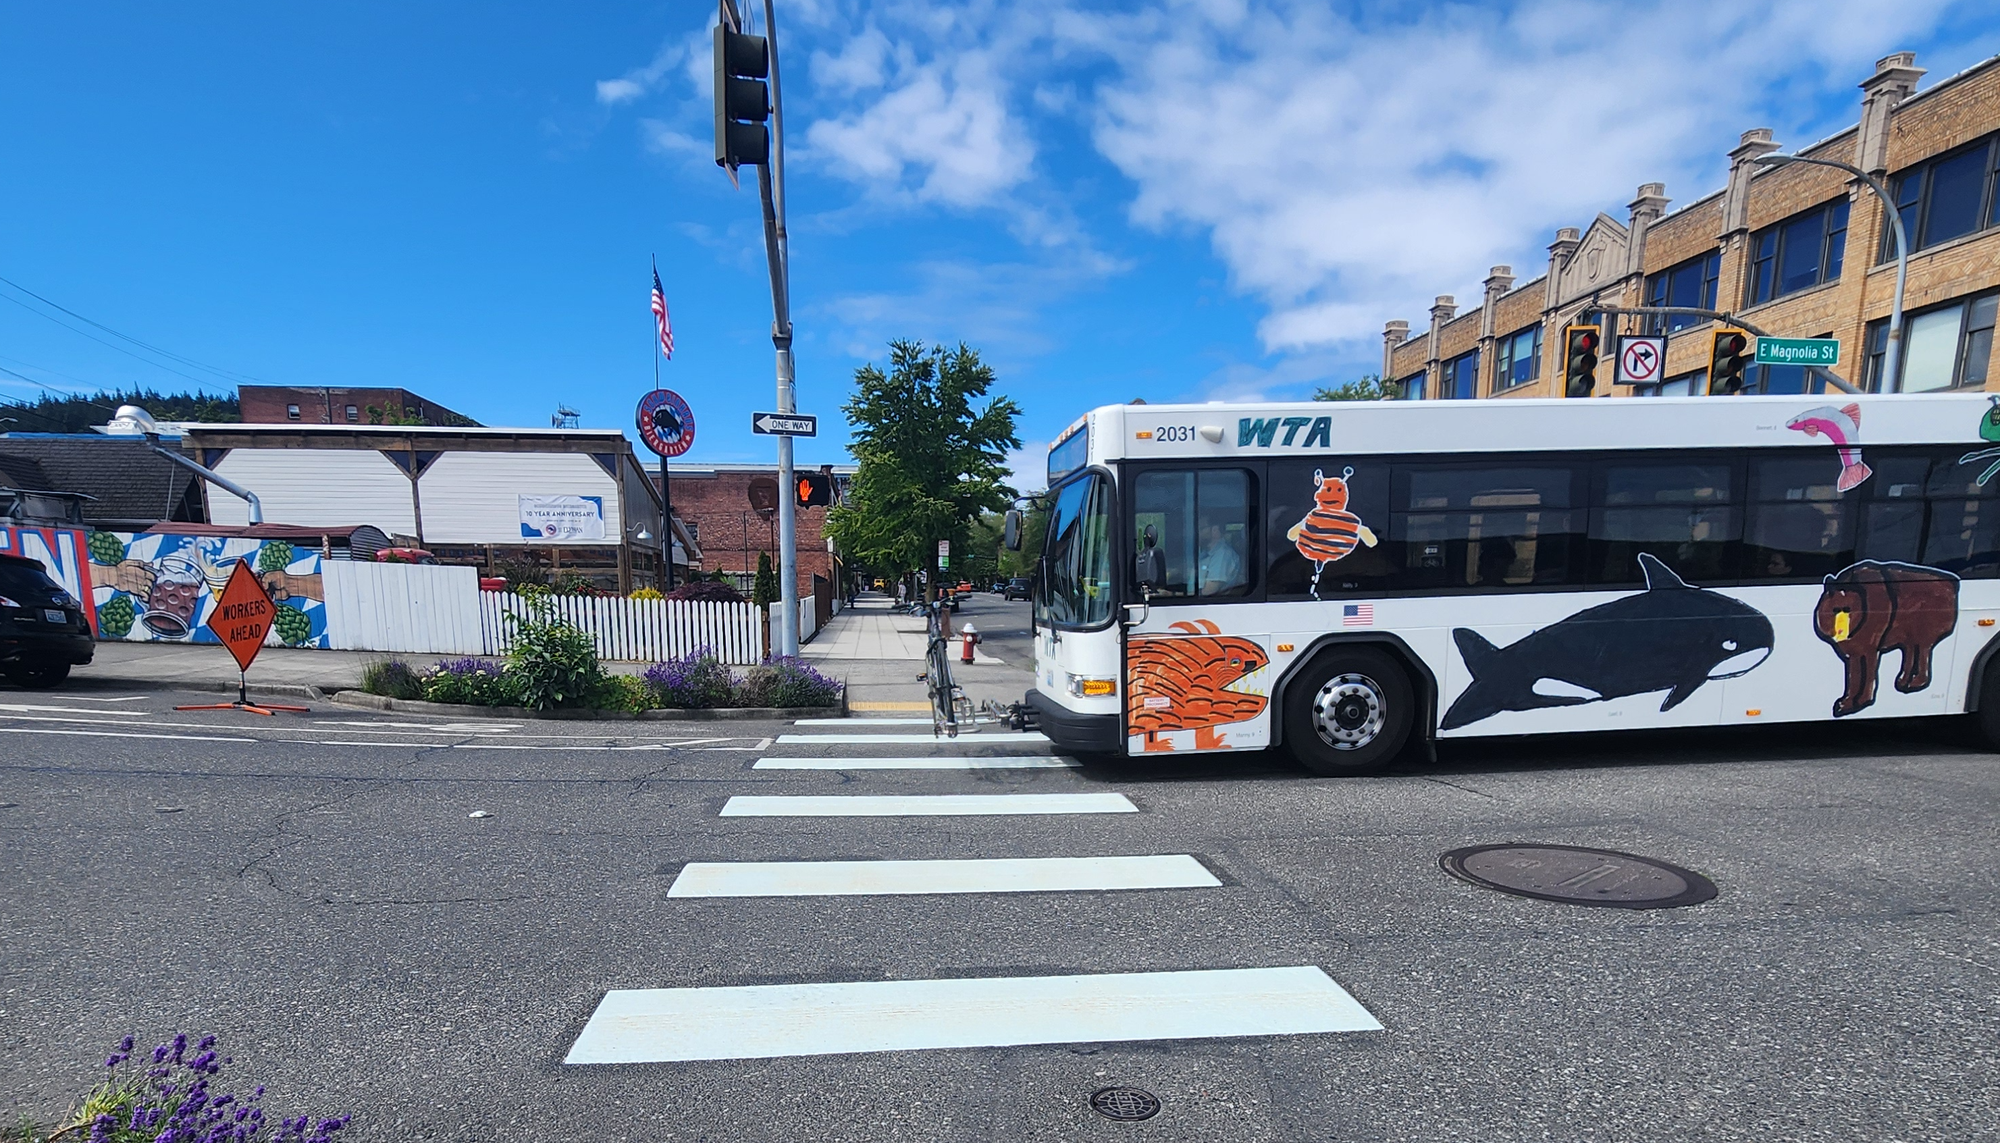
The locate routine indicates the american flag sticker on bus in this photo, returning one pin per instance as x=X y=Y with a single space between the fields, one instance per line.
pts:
x=1357 y=615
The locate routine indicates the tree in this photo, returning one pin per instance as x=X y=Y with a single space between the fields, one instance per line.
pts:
x=930 y=462
x=51 y=413
x=764 y=590
x=1369 y=387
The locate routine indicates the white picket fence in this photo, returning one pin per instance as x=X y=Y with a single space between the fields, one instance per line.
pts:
x=402 y=607
x=636 y=630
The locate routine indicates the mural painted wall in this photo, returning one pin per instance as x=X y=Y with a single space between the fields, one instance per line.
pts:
x=60 y=550
x=161 y=588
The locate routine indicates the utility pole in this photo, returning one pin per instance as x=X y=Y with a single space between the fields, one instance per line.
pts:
x=742 y=104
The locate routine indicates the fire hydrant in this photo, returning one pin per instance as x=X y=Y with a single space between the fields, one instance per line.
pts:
x=971 y=635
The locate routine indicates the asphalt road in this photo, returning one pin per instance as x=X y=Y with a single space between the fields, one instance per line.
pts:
x=313 y=889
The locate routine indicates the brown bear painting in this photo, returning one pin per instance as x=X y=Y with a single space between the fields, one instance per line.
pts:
x=1876 y=606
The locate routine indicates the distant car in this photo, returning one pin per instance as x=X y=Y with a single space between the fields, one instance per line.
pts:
x=999 y=586
x=1018 y=588
x=404 y=556
x=43 y=629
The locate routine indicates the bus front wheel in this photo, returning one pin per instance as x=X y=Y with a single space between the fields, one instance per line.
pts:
x=1350 y=712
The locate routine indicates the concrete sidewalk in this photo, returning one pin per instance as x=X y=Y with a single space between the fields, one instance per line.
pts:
x=871 y=629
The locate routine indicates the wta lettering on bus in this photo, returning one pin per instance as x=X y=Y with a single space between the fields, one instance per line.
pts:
x=244 y=610
x=1261 y=431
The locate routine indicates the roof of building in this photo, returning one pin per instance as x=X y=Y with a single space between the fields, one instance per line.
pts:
x=755 y=469
x=125 y=480
x=23 y=474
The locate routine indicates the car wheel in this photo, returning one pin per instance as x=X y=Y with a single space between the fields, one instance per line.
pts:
x=1986 y=720
x=39 y=675
x=1349 y=712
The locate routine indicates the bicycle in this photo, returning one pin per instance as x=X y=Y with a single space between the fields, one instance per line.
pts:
x=946 y=698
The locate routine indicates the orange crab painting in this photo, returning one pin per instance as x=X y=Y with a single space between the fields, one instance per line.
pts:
x=1185 y=682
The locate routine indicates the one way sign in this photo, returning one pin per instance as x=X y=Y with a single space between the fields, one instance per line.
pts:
x=784 y=424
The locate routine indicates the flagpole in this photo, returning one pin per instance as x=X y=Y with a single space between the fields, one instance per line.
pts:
x=666 y=481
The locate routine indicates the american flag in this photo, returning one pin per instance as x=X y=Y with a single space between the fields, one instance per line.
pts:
x=1357 y=615
x=660 y=316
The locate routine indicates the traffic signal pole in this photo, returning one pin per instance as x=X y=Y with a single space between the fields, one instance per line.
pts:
x=771 y=187
x=1828 y=375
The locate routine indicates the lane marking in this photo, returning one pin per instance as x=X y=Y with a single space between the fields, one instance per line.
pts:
x=914 y=739
x=861 y=722
x=981 y=875
x=121 y=734
x=1015 y=762
x=922 y=805
x=66 y=709
x=658 y=1025
x=110 y=698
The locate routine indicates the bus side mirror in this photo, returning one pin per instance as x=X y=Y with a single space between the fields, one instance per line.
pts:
x=1149 y=567
x=1010 y=530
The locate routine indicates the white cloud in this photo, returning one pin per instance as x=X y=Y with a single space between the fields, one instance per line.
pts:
x=1346 y=173
x=691 y=52
x=939 y=134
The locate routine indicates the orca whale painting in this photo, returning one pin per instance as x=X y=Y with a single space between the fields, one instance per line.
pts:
x=1671 y=637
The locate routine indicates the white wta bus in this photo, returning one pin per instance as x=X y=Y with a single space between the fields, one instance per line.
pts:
x=1349 y=580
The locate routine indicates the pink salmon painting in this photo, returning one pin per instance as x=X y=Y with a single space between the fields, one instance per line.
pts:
x=1842 y=428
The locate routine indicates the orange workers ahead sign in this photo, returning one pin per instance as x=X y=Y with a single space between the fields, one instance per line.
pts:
x=242 y=617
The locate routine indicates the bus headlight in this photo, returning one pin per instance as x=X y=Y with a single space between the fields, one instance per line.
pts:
x=1082 y=687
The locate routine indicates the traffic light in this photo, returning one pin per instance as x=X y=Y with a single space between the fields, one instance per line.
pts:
x=742 y=99
x=1727 y=359
x=1580 y=360
x=815 y=489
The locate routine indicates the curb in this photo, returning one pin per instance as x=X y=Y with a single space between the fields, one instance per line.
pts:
x=736 y=714
x=216 y=686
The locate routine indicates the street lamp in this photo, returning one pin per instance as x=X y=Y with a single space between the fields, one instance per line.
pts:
x=1892 y=357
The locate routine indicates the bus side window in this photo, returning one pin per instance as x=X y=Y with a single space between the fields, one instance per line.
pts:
x=1327 y=506
x=1200 y=523
x=1497 y=526
x=1890 y=523
x=1799 y=525
x=1686 y=515
x=1962 y=533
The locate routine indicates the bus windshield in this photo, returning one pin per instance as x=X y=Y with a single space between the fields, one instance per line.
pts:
x=1077 y=585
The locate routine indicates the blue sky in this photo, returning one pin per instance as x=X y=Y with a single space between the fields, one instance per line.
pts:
x=1196 y=201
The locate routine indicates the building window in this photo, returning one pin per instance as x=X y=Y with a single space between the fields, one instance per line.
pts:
x=1411 y=388
x=1461 y=376
x=353 y=414
x=1797 y=254
x=1692 y=283
x=1685 y=385
x=1947 y=347
x=291 y=412
x=1517 y=358
x=1945 y=197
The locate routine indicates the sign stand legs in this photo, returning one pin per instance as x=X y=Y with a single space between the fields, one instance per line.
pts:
x=268 y=709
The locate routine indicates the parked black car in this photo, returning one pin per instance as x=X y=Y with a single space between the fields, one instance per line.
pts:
x=43 y=630
x=1019 y=587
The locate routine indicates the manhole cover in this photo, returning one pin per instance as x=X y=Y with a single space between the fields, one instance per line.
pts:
x=1579 y=876
x=1126 y=1103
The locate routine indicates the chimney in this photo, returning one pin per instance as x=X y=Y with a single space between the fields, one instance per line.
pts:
x=1560 y=252
x=1646 y=209
x=1742 y=165
x=1894 y=79
x=1394 y=334
x=1498 y=281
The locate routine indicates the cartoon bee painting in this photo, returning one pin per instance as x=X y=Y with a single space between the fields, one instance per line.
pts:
x=1329 y=532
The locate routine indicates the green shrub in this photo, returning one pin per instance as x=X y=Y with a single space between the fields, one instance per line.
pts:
x=698 y=682
x=392 y=678
x=553 y=663
x=764 y=591
x=473 y=682
x=624 y=692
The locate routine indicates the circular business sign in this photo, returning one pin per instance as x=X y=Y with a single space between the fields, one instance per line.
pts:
x=666 y=423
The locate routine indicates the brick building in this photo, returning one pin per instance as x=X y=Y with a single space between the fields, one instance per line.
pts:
x=1800 y=251
x=713 y=500
x=313 y=405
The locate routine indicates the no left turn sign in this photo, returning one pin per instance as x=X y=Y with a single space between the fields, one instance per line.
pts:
x=1641 y=360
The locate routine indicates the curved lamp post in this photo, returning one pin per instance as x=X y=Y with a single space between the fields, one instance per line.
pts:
x=1892 y=357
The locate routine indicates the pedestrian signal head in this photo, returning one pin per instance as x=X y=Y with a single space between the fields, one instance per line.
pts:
x=1580 y=360
x=1728 y=359
x=814 y=489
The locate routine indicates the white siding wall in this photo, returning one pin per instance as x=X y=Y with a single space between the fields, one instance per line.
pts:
x=473 y=497
x=316 y=488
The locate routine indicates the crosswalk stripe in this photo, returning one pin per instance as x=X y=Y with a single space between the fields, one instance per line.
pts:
x=965 y=739
x=984 y=875
x=658 y=1025
x=922 y=805
x=968 y=762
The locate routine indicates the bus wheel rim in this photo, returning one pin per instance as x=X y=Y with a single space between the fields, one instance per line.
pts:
x=1349 y=711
